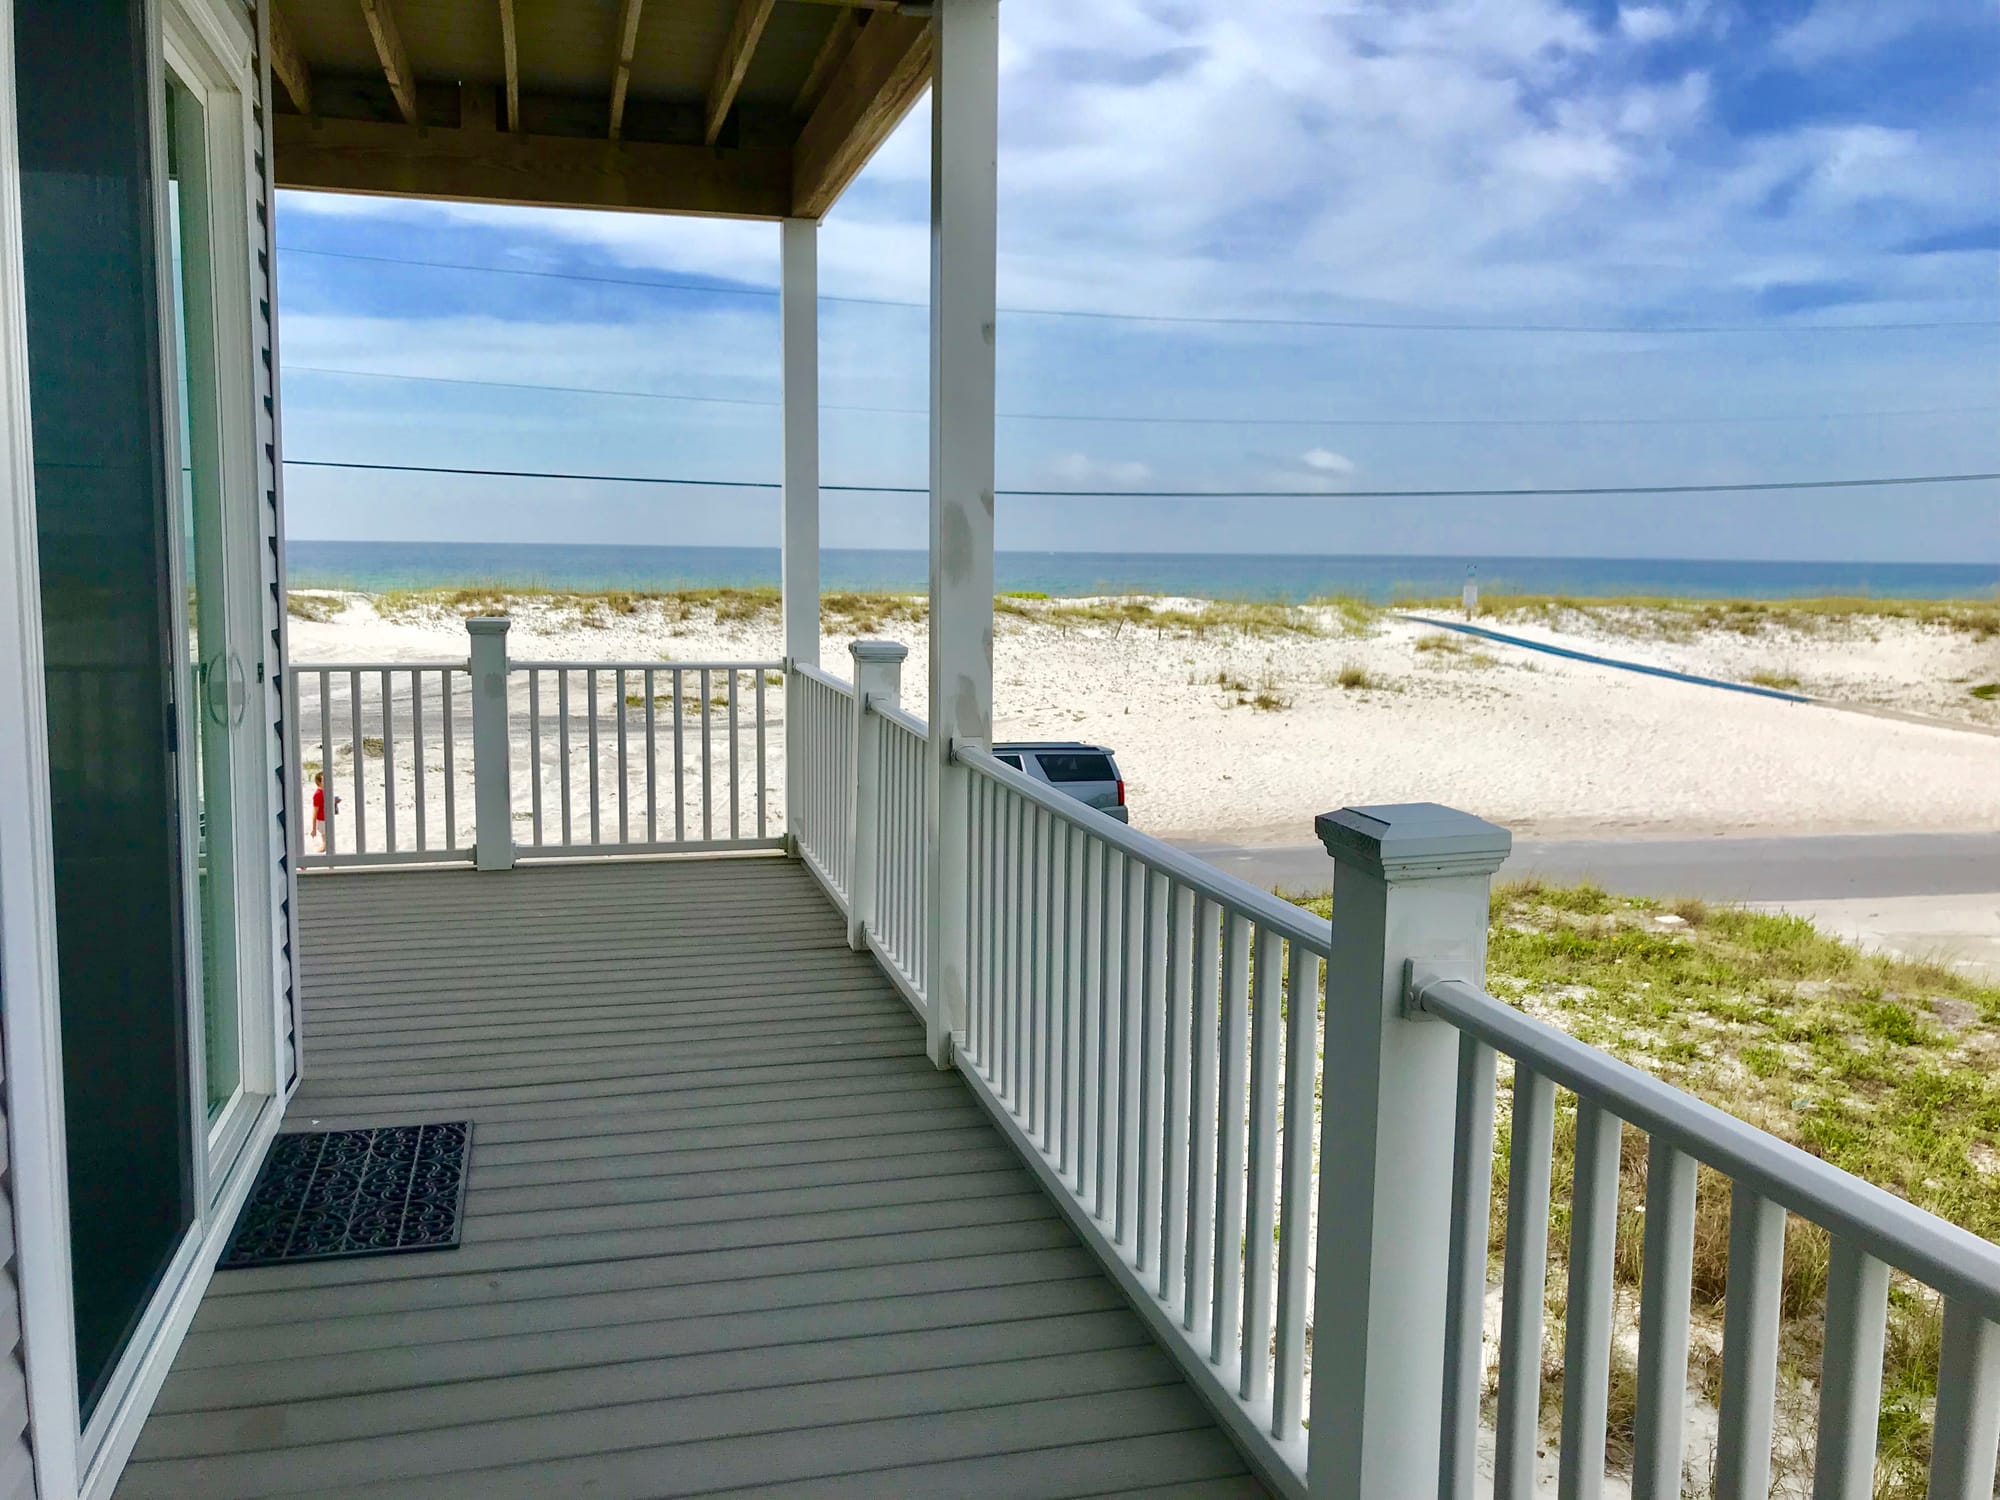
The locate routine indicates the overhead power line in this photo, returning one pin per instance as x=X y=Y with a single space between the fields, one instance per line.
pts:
x=1220 y=321
x=1166 y=420
x=1891 y=481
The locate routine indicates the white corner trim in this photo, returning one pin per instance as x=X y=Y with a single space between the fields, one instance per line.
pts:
x=33 y=1032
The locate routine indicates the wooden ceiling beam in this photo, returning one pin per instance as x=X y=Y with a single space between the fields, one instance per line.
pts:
x=395 y=61
x=621 y=77
x=832 y=52
x=287 y=65
x=883 y=74
x=744 y=33
x=510 y=57
x=473 y=166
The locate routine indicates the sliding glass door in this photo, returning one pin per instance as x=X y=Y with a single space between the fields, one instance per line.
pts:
x=102 y=452
x=212 y=679
x=134 y=194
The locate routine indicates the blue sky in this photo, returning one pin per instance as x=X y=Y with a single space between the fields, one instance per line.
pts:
x=1785 y=172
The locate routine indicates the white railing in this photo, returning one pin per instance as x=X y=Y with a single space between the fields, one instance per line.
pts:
x=820 y=805
x=638 y=757
x=492 y=760
x=898 y=914
x=385 y=739
x=1872 y=1233
x=1132 y=1012
x=1249 y=1117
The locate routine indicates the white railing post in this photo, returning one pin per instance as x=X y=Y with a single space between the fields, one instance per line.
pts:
x=493 y=795
x=878 y=675
x=1411 y=885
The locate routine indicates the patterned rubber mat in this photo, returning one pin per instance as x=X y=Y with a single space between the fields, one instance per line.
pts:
x=335 y=1194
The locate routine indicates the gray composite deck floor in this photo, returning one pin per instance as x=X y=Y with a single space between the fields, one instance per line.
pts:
x=727 y=1231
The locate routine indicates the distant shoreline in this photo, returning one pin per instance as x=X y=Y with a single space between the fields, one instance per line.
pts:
x=378 y=567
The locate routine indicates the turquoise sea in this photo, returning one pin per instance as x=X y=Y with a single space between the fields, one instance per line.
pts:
x=375 y=566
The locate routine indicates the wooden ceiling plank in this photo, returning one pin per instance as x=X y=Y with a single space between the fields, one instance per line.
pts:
x=370 y=156
x=883 y=74
x=395 y=61
x=744 y=33
x=832 y=52
x=287 y=63
x=621 y=78
x=512 y=60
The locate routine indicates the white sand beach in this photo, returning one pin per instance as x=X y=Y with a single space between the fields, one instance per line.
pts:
x=1243 y=734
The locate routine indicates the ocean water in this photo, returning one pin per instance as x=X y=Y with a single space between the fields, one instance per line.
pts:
x=375 y=566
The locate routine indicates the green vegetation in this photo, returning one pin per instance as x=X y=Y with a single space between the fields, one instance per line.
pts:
x=1884 y=1067
x=1648 y=617
x=1354 y=677
x=1441 y=642
x=1985 y=692
x=371 y=746
x=1784 y=682
x=318 y=608
x=865 y=612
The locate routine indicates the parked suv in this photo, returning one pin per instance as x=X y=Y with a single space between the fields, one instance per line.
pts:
x=1085 y=772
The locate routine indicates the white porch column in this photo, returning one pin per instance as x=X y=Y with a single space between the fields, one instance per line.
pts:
x=1410 y=885
x=798 y=585
x=965 y=93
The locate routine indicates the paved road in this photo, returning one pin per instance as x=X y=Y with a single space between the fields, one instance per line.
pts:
x=1826 y=867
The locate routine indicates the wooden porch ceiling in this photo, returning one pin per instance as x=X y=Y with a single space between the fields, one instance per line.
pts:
x=761 y=109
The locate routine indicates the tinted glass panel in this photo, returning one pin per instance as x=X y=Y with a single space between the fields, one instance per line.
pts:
x=1009 y=760
x=100 y=493
x=1061 y=766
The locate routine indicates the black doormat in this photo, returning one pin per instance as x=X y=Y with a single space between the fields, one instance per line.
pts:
x=336 y=1194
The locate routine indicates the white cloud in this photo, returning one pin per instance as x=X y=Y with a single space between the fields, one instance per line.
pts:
x=1326 y=461
x=1081 y=469
x=1645 y=24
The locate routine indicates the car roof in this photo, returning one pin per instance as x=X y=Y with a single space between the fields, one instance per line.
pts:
x=1008 y=746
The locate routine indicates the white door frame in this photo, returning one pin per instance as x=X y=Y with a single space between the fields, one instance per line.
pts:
x=211 y=39
x=38 y=1162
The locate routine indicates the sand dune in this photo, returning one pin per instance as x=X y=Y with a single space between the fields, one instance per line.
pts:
x=1235 y=735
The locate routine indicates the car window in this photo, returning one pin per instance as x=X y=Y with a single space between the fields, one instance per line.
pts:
x=1009 y=760
x=1062 y=766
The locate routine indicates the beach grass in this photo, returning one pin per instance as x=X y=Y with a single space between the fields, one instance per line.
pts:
x=1654 y=617
x=1882 y=1066
x=864 y=612
x=318 y=608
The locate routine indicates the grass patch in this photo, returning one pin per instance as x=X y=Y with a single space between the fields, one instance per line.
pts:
x=317 y=608
x=1441 y=642
x=1355 y=678
x=1986 y=692
x=1651 y=617
x=1784 y=682
x=1883 y=1067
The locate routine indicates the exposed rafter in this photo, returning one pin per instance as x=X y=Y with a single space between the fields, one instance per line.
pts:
x=395 y=61
x=287 y=65
x=832 y=52
x=512 y=60
x=744 y=34
x=621 y=79
x=885 y=70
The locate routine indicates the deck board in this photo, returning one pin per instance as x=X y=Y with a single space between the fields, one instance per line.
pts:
x=727 y=1231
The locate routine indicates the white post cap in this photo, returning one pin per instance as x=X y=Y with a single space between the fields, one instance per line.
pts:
x=487 y=625
x=1413 y=841
x=878 y=650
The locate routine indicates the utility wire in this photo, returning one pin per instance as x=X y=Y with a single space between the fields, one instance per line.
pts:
x=1901 y=480
x=1357 y=324
x=1166 y=421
